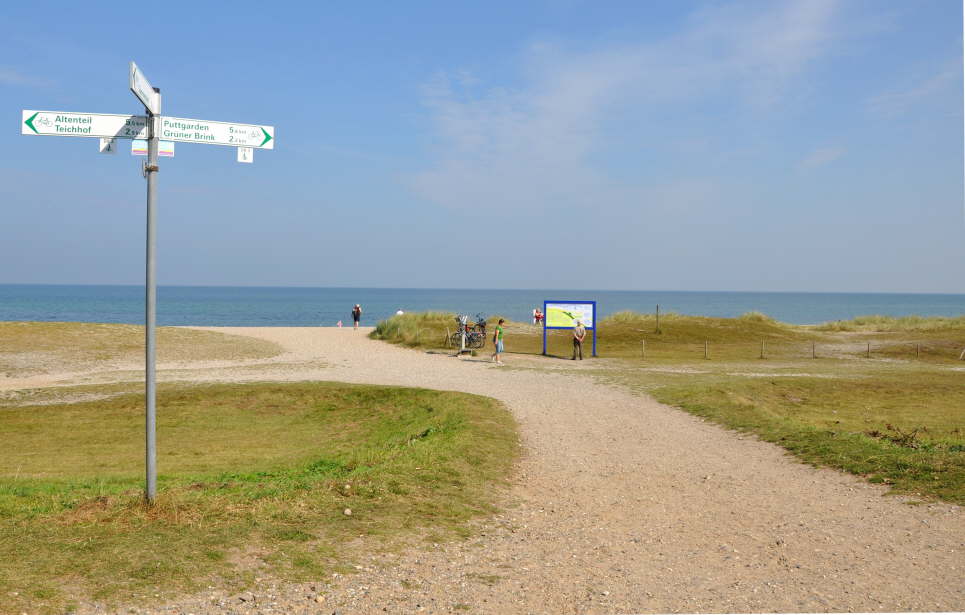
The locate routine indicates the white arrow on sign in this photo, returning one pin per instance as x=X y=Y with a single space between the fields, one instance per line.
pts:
x=217 y=133
x=73 y=124
x=143 y=90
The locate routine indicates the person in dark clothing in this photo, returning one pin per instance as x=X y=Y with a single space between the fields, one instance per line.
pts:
x=357 y=315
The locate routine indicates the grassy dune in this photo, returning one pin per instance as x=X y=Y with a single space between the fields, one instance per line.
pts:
x=417 y=329
x=253 y=479
x=618 y=335
x=30 y=348
x=680 y=337
x=894 y=324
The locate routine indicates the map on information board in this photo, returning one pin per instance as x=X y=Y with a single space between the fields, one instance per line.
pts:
x=565 y=315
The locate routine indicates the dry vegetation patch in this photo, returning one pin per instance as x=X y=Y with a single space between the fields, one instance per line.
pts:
x=31 y=348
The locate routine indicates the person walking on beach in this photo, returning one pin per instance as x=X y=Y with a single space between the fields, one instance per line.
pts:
x=498 y=342
x=357 y=315
x=579 y=334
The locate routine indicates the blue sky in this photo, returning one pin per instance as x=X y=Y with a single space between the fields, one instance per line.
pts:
x=812 y=145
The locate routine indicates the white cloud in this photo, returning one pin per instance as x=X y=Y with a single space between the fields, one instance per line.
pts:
x=9 y=76
x=821 y=157
x=532 y=146
x=898 y=102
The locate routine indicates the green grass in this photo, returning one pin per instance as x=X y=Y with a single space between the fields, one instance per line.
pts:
x=904 y=428
x=29 y=348
x=254 y=479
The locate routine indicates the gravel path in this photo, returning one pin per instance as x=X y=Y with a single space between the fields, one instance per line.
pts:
x=621 y=505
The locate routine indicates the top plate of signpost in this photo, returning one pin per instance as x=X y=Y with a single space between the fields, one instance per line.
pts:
x=143 y=90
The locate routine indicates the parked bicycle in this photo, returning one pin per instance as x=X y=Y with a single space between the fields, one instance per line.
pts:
x=475 y=333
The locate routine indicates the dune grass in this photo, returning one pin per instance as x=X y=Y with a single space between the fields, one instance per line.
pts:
x=881 y=324
x=416 y=330
x=29 y=348
x=683 y=338
x=254 y=479
x=618 y=335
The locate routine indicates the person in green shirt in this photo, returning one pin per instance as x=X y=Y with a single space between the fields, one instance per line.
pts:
x=498 y=342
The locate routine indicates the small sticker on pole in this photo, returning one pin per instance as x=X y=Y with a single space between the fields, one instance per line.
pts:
x=108 y=146
x=246 y=154
x=164 y=148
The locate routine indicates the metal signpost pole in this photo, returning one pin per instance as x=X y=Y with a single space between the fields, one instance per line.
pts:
x=544 y=328
x=150 y=314
x=594 y=328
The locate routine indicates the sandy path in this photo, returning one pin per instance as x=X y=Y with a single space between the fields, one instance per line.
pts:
x=624 y=505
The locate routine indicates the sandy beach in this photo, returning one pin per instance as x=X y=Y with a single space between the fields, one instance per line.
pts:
x=619 y=505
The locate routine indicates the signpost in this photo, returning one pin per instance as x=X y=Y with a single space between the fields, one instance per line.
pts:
x=565 y=314
x=151 y=127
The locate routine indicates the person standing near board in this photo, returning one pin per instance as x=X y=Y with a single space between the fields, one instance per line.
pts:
x=357 y=315
x=579 y=334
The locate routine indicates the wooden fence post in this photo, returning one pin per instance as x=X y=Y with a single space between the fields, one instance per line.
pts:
x=658 y=318
x=918 y=351
x=705 y=350
x=643 y=348
x=762 y=347
x=814 y=354
x=869 y=350
x=448 y=345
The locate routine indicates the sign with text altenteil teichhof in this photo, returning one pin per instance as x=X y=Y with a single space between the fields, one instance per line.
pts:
x=73 y=124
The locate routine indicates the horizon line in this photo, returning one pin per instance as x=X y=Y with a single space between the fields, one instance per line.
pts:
x=593 y=290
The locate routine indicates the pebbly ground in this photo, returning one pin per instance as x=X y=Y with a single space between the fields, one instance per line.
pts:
x=620 y=505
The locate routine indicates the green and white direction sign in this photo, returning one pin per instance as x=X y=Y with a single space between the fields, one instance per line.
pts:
x=217 y=133
x=73 y=124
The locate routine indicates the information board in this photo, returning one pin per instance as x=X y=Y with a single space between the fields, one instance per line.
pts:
x=565 y=314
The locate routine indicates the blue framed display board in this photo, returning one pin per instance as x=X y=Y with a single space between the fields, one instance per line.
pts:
x=564 y=314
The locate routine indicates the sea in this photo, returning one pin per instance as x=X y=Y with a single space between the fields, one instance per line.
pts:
x=286 y=306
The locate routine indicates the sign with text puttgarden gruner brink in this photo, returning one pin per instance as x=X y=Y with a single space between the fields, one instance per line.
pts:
x=565 y=315
x=217 y=133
